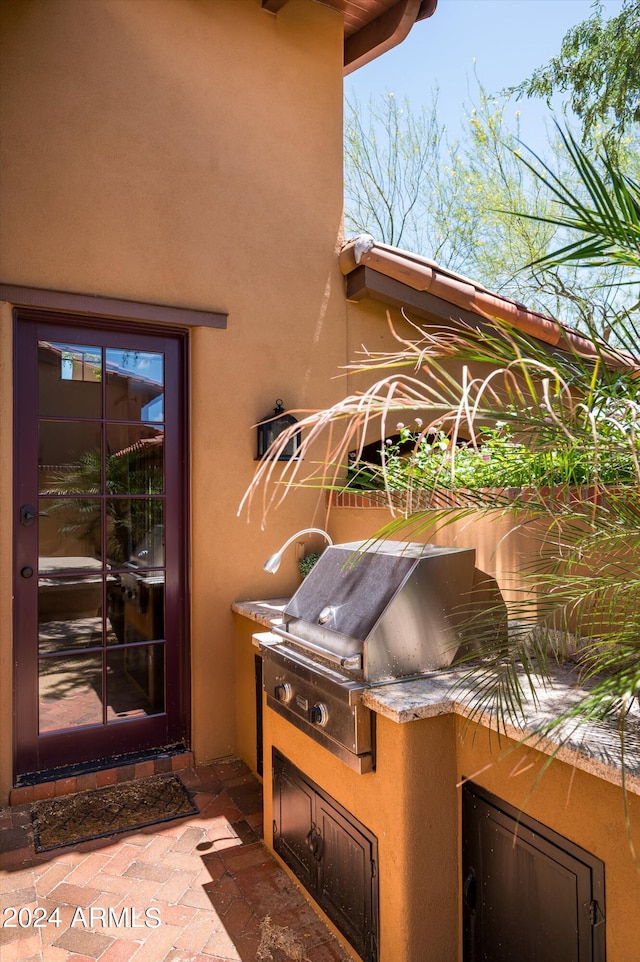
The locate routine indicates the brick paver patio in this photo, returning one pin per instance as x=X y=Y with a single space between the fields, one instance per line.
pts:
x=192 y=890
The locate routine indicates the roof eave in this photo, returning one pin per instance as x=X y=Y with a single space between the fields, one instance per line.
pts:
x=385 y=32
x=418 y=274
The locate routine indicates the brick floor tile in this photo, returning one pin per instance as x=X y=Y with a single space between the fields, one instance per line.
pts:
x=237 y=917
x=20 y=858
x=174 y=914
x=119 y=884
x=63 y=918
x=65 y=786
x=221 y=945
x=124 y=855
x=191 y=777
x=23 y=879
x=182 y=761
x=222 y=893
x=10 y=935
x=126 y=773
x=84 y=872
x=179 y=862
x=157 y=943
x=199 y=931
x=331 y=951
x=74 y=894
x=184 y=955
x=20 y=815
x=44 y=790
x=84 y=942
x=119 y=951
x=21 y=795
x=108 y=900
x=229 y=768
x=141 y=895
x=55 y=874
x=51 y=954
x=147 y=870
x=95 y=844
x=188 y=840
x=144 y=769
x=304 y=922
x=16 y=838
x=156 y=849
x=135 y=838
x=211 y=805
x=108 y=777
x=210 y=902
x=247 y=948
x=18 y=897
x=212 y=861
x=87 y=782
x=247 y=856
x=175 y=887
x=22 y=949
x=197 y=898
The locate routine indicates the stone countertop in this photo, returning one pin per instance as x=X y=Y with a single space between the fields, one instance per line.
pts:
x=266 y=613
x=594 y=747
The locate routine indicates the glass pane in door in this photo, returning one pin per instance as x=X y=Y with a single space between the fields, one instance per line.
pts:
x=70 y=692
x=69 y=380
x=69 y=457
x=135 y=532
x=135 y=458
x=69 y=613
x=135 y=681
x=69 y=535
x=134 y=386
x=135 y=606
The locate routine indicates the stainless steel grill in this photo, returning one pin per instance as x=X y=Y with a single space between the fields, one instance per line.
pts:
x=371 y=614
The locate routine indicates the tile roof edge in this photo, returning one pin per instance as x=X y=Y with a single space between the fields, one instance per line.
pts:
x=422 y=274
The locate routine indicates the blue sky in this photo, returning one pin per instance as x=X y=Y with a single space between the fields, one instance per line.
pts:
x=507 y=38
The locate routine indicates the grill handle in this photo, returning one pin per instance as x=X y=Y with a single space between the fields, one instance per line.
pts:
x=353 y=662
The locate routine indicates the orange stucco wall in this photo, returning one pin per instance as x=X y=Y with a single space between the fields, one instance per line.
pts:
x=412 y=804
x=409 y=803
x=189 y=153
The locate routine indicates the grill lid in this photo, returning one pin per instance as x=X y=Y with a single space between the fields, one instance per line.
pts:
x=395 y=608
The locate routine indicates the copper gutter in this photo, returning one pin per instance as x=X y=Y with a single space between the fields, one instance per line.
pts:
x=422 y=274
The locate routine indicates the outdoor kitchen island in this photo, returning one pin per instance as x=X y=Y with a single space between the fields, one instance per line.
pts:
x=569 y=878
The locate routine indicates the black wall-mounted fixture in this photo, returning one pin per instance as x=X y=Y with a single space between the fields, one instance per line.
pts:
x=273 y=425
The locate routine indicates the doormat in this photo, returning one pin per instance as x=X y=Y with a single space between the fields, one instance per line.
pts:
x=108 y=811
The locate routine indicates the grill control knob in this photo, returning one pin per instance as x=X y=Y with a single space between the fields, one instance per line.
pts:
x=284 y=692
x=319 y=714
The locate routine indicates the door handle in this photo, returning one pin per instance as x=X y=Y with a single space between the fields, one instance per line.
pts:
x=28 y=514
x=469 y=892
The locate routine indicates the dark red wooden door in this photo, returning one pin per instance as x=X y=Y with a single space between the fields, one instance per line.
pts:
x=100 y=659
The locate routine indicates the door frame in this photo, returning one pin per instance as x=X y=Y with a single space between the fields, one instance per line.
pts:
x=26 y=766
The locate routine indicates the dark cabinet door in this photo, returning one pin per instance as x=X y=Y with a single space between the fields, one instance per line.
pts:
x=293 y=812
x=332 y=854
x=529 y=895
x=345 y=865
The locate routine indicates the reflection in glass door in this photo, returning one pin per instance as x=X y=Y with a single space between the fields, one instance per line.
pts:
x=98 y=634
